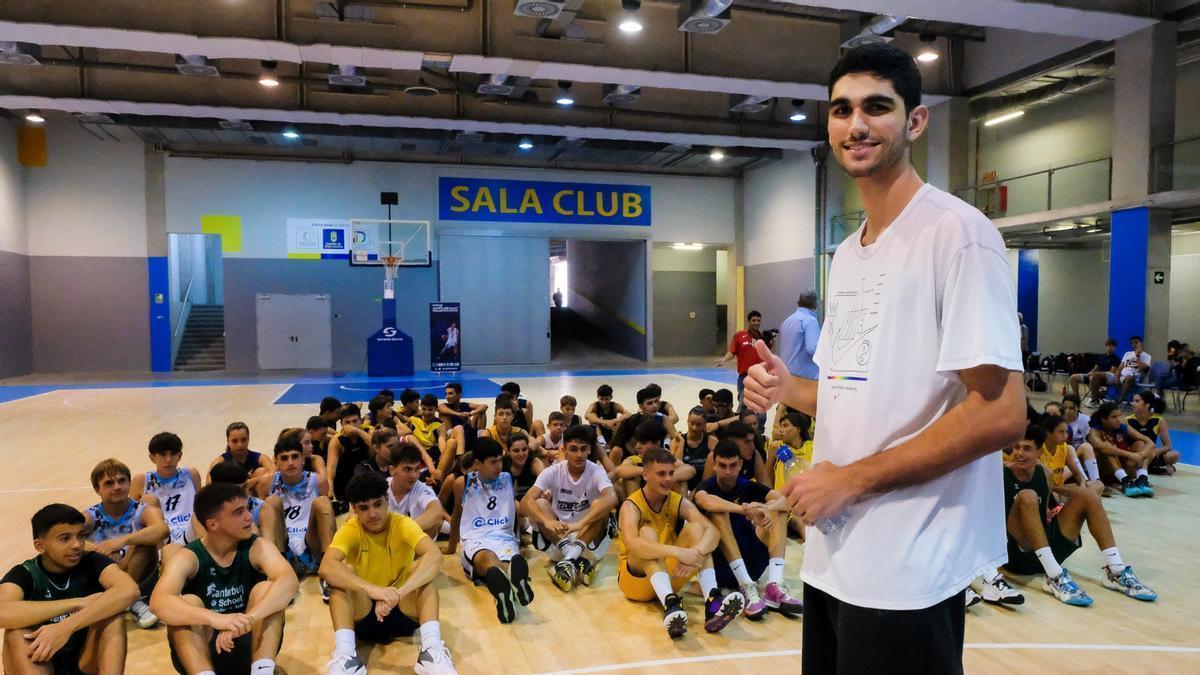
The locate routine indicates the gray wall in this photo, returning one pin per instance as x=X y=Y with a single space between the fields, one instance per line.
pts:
x=89 y=314
x=607 y=287
x=357 y=310
x=1072 y=301
x=676 y=294
x=16 y=320
x=772 y=288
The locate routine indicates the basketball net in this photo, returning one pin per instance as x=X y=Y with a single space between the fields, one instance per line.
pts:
x=391 y=264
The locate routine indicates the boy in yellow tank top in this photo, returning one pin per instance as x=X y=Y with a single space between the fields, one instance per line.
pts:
x=1066 y=471
x=664 y=542
x=442 y=442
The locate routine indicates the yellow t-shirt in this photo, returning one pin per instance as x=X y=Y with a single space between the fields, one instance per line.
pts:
x=804 y=452
x=1056 y=461
x=425 y=432
x=663 y=521
x=383 y=559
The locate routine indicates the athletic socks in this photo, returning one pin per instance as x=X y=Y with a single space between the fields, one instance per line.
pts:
x=1120 y=474
x=431 y=635
x=343 y=642
x=739 y=572
x=571 y=549
x=1091 y=469
x=1049 y=564
x=262 y=667
x=661 y=581
x=1112 y=560
x=775 y=571
x=708 y=581
x=1142 y=472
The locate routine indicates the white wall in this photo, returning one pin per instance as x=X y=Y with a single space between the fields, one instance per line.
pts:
x=1184 y=324
x=265 y=194
x=1008 y=50
x=780 y=217
x=666 y=259
x=1072 y=300
x=90 y=198
x=14 y=237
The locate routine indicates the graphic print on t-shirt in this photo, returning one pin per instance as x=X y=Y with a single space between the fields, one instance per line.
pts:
x=851 y=319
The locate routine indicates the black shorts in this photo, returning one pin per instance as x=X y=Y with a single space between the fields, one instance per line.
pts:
x=1025 y=562
x=395 y=625
x=235 y=662
x=844 y=638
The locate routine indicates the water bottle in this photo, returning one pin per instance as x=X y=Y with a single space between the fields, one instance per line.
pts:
x=793 y=465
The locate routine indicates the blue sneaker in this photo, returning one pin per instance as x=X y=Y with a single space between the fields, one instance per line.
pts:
x=1143 y=484
x=1130 y=488
x=1128 y=583
x=1066 y=590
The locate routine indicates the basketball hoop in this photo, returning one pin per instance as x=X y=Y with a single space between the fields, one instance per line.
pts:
x=391 y=264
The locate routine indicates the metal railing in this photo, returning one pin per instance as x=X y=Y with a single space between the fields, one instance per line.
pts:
x=1078 y=183
x=1177 y=165
x=183 y=305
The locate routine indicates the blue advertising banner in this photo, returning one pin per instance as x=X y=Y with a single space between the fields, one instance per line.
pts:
x=527 y=201
x=445 y=345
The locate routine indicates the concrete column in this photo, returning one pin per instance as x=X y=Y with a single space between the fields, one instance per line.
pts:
x=1143 y=108
x=947 y=138
x=1028 y=265
x=157 y=271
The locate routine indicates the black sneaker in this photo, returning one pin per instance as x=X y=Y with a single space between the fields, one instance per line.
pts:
x=562 y=574
x=518 y=573
x=324 y=592
x=585 y=571
x=500 y=588
x=674 y=618
x=719 y=609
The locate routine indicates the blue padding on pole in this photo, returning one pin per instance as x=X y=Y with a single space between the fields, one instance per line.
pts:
x=1027 y=292
x=1128 y=256
x=160 y=314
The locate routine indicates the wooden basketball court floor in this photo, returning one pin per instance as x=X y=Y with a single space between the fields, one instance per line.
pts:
x=50 y=440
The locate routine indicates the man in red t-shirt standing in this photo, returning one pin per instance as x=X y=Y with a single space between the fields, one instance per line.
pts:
x=742 y=346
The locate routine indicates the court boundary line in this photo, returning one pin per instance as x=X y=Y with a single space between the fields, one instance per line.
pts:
x=709 y=658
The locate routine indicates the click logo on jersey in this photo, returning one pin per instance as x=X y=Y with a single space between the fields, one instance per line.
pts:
x=490 y=522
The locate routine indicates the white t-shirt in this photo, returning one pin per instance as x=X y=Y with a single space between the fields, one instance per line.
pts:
x=412 y=504
x=932 y=296
x=1129 y=367
x=1079 y=430
x=571 y=499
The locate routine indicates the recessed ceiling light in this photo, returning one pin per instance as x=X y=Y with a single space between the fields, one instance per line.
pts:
x=564 y=97
x=716 y=155
x=525 y=144
x=34 y=117
x=797 y=111
x=291 y=133
x=927 y=54
x=267 y=76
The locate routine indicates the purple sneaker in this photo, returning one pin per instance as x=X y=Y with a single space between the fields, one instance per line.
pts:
x=719 y=609
x=778 y=597
x=756 y=609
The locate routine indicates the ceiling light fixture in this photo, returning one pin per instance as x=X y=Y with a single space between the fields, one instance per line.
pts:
x=797 y=111
x=291 y=134
x=267 y=76
x=631 y=23
x=716 y=155
x=34 y=117
x=564 y=97
x=927 y=54
x=682 y=246
x=525 y=144
x=1003 y=118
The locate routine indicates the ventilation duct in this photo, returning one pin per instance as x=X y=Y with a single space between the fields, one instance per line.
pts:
x=748 y=103
x=704 y=16
x=195 y=65
x=618 y=94
x=497 y=84
x=539 y=9
x=876 y=32
x=20 y=54
x=345 y=76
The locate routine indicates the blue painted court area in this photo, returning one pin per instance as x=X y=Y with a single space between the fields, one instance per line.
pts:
x=1188 y=445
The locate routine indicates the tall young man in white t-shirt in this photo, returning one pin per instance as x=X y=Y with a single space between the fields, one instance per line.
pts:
x=569 y=505
x=920 y=335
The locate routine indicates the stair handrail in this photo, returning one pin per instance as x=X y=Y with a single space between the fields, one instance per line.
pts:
x=182 y=305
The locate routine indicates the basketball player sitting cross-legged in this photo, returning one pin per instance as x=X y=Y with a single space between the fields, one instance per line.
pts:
x=222 y=597
x=502 y=421
x=237 y=447
x=459 y=414
x=1042 y=533
x=297 y=516
x=569 y=506
x=441 y=441
x=604 y=414
x=665 y=541
x=63 y=610
x=173 y=486
x=752 y=521
x=127 y=531
x=383 y=570
x=548 y=446
x=408 y=495
x=231 y=472
x=485 y=513
x=627 y=477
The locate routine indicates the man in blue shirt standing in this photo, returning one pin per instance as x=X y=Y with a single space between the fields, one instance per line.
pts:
x=798 y=337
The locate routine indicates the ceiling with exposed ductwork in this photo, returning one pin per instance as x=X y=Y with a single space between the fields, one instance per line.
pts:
x=466 y=80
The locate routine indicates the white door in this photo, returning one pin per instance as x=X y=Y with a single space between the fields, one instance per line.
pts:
x=505 y=295
x=294 y=332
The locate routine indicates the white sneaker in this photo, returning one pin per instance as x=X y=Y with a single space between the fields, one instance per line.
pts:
x=142 y=614
x=347 y=665
x=997 y=591
x=972 y=598
x=435 y=661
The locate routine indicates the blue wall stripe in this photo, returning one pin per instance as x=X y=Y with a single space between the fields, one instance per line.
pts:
x=1128 y=255
x=1027 y=292
x=160 y=314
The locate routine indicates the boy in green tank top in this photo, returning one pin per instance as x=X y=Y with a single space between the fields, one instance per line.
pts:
x=63 y=611
x=223 y=595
